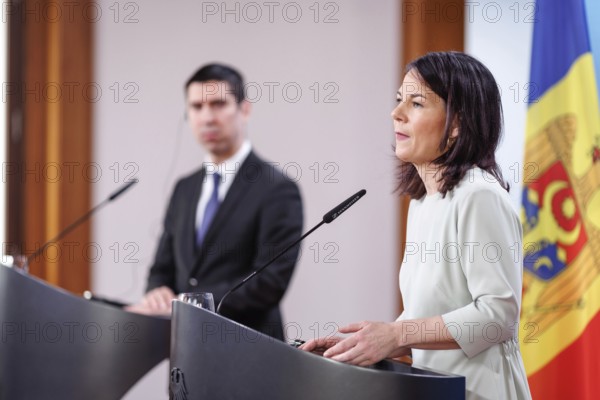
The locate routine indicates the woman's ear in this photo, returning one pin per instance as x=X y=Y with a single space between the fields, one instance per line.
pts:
x=454 y=132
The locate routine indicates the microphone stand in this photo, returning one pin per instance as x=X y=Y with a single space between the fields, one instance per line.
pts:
x=78 y=222
x=327 y=218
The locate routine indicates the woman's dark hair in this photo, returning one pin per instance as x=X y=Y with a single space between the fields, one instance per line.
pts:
x=471 y=96
x=220 y=73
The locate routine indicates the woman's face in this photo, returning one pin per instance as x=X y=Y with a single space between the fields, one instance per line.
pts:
x=419 y=121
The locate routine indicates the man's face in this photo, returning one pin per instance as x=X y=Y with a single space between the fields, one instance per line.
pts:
x=216 y=119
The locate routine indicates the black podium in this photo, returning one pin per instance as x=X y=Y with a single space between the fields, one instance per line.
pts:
x=54 y=345
x=215 y=358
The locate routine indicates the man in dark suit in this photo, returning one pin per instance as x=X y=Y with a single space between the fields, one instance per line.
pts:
x=228 y=218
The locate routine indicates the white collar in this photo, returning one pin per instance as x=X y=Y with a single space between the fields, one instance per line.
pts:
x=231 y=166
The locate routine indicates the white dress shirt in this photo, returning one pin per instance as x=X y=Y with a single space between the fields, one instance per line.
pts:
x=228 y=169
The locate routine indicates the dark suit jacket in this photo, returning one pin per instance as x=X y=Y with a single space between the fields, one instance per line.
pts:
x=260 y=215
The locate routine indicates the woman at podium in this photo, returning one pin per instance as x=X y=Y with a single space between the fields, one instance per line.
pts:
x=461 y=277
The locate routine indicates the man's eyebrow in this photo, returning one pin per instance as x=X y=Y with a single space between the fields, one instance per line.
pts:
x=204 y=101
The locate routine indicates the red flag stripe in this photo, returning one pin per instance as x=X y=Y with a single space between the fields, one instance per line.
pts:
x=575 y=372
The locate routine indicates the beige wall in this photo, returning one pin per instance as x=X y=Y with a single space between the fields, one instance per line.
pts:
x=344 y=134
x=499 y=33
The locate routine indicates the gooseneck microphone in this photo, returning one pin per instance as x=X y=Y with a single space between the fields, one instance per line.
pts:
x=346 y=204
x=79 y=221
x=327 y=218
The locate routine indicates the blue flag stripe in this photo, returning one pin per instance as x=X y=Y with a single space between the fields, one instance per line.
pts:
x=559 y=38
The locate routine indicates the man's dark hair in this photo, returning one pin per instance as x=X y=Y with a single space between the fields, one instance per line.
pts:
x=471 y=96
x=220 y=73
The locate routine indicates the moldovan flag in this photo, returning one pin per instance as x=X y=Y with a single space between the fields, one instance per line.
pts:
x=560 y=320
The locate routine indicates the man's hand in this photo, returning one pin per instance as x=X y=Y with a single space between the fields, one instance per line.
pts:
x=155 y=302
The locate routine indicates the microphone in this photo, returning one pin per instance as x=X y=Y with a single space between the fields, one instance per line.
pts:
x=92 y=297
x=346 y=204
x=79 y=221
x=120 y=191
x=327 y=218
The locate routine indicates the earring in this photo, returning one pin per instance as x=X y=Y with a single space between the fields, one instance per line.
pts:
x=450 y=142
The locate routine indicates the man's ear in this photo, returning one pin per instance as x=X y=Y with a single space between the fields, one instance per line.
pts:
x=245 y=108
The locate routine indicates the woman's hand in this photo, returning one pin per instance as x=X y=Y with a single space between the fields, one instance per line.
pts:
x=370 y=343
x=373 y=341
x=321 y=344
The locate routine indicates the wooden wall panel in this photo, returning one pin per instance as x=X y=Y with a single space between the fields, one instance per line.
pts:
x=55 y=64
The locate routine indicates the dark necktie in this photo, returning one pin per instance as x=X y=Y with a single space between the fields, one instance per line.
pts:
x=209 y=212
